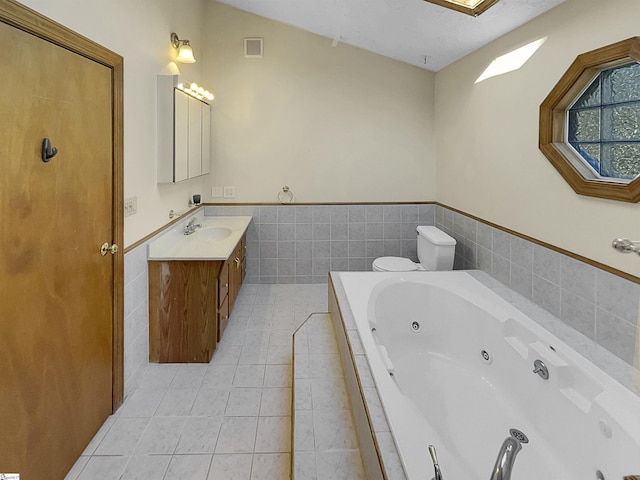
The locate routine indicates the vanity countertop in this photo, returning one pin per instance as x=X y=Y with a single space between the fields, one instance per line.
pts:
x=214 y=240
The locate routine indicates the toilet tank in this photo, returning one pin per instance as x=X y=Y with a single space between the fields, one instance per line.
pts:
x=436 y=249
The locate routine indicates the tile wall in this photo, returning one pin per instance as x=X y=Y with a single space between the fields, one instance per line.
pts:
x=136 y=317
x=301 y=244
x=600 y=305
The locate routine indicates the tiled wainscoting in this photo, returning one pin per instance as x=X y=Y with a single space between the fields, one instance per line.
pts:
x=600 y=305
x=301 y=244
x=136 y=317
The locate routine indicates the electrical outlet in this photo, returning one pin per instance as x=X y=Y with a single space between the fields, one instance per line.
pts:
x=216 y=192
x=130 y=206
x=229 y=192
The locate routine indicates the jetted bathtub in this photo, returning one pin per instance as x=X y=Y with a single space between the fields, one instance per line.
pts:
x=453 y=364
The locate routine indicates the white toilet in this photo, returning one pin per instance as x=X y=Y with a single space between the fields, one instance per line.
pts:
x=436 y=251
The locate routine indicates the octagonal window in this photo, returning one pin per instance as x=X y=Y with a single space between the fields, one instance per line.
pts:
x=590 y=123
x=604 y=123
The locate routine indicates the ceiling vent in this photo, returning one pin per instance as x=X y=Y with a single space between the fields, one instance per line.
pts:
x=253 y=47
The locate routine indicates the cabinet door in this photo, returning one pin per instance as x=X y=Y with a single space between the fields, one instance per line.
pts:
x=206 y=139
x=181 y=136
x=195 y=137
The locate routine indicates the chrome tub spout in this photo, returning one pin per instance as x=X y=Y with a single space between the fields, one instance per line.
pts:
x=506 y=457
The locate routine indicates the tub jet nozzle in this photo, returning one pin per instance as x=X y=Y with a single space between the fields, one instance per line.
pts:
x=434 y=459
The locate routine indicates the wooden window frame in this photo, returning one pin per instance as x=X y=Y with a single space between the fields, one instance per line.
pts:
x=553 y=124
x=473 y=11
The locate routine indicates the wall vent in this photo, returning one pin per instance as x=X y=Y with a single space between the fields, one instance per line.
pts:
x=253 y=47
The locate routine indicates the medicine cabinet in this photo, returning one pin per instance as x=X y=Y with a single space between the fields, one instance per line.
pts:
x=184 y=133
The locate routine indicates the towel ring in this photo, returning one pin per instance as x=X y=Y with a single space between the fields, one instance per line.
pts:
x=285 y=196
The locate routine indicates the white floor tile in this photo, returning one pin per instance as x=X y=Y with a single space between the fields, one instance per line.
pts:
x=210 y=402
x=219 y=375
x=177 y=401
x=199 y=435
x=192 y=467
x=189 y=375
x=146 y=467
x=277 y=375
x=143 y=402
x=274 y=435
x=158 y=375
x=275 y=402
x=122 y=437
x=226 y=354
x=161 y=436
x=279 y=355
x=248 y=376
x=340 y=465
x=235 y=466
x=272 y=466
x=304 y=466
x=103 y=468
x=237 y=435
x=243 y=402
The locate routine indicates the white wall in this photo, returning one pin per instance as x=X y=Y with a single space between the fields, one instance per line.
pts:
x=139 y=31
x=488 y=162
x=335 y=124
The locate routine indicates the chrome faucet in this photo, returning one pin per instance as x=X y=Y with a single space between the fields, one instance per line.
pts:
x=436 y=467
x=191 y=226
x=507 y=456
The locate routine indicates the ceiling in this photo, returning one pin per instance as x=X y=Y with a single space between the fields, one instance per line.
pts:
x=412 y=31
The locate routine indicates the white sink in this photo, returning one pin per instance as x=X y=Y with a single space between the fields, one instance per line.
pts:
x=215 y=240
x=212 y=234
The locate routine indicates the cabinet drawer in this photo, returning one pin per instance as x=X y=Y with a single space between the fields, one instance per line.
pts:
x=223 y=316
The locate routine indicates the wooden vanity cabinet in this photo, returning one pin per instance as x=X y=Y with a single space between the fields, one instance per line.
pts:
x=183 y=297
x=231 y=277
x=189 y=305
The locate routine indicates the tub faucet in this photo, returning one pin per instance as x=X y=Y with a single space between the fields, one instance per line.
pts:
x=434 y=459
x=506 y=456
x=191 y=226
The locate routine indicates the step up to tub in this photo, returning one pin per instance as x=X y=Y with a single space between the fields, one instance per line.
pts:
x=325 y=445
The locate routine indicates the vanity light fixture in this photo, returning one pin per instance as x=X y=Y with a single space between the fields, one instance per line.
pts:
x=185 y=53
x=195 y=91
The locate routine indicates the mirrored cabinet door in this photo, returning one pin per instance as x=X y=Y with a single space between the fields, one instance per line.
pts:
x=184 y=133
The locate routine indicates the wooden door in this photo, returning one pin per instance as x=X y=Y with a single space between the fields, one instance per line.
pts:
x=57 y=290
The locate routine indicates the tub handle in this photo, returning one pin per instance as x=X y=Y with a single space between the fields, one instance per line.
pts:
x=436 y=466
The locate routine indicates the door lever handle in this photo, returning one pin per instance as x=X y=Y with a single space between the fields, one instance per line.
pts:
x=48 y=152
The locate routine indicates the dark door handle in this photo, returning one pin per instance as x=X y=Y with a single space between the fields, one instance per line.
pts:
x=48 y=152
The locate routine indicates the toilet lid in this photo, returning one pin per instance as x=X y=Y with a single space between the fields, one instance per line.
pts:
x=395 y=264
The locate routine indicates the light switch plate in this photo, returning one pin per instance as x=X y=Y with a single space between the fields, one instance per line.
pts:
x=130 y=206
x=229 y=192
x=216 y=192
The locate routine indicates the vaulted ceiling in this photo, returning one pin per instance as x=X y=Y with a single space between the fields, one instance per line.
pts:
x=416 y=32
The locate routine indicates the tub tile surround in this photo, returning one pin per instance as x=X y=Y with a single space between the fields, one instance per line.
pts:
x=325 y=446
x=598 y=304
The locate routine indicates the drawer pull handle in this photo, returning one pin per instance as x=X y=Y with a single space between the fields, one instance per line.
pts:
x=237 y=260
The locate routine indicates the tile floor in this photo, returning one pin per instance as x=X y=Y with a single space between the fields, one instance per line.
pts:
x=229 y=419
